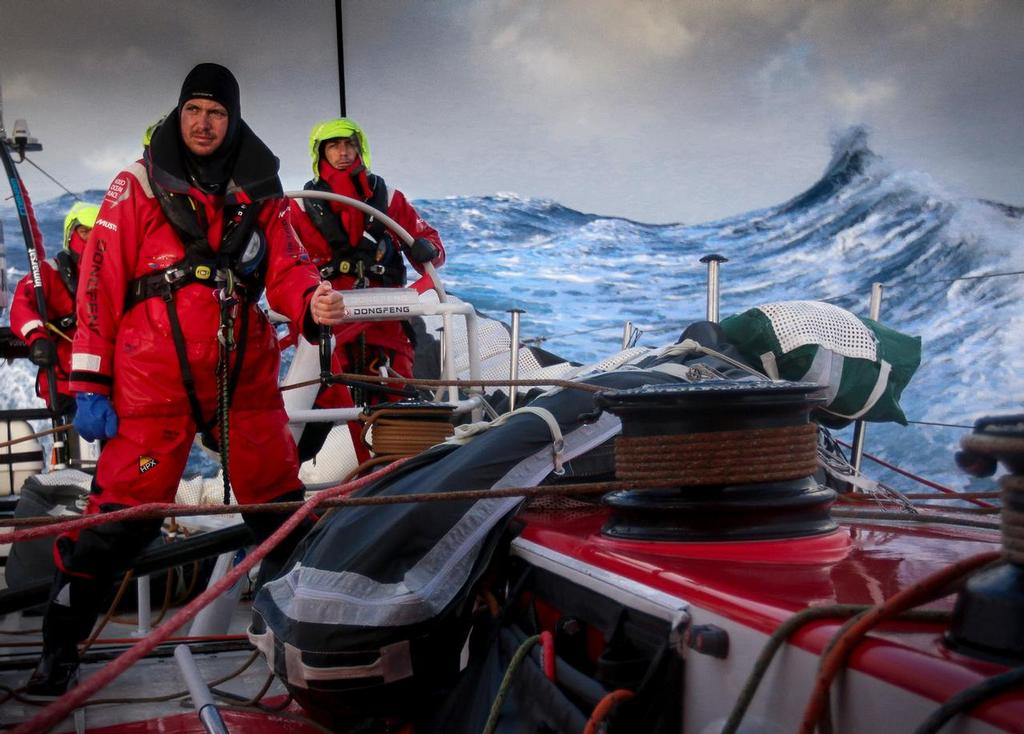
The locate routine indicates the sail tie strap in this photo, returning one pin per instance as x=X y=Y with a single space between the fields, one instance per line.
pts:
x=466 y=433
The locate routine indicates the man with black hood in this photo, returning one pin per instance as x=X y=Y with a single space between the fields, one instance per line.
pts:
x=171 y=341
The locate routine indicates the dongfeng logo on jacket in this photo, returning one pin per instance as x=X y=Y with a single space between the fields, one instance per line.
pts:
x=146 y=463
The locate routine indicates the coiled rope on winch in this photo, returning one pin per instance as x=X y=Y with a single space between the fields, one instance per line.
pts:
x=406 y=430
x=721 y=457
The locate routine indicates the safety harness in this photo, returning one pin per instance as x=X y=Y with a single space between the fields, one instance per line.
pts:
x=374 y=255
x=67 y=269
x=237 y=272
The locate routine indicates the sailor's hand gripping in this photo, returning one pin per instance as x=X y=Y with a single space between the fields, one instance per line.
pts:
x=327 y=305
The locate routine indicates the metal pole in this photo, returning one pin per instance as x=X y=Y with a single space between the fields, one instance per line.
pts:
x=513 y=364
x=627 y=334
x=860 y=427
x=215 y=618
x=145 y=624
x=202 y=700
x=712 y=261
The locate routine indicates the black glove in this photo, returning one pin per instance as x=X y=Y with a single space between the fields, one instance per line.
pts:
x=43 y=352
x=423 y=250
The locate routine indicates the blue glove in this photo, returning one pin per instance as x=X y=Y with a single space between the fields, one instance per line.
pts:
x=95 y=417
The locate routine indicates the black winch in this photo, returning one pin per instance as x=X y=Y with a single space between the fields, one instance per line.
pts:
x=717 y=461
x=988 y=620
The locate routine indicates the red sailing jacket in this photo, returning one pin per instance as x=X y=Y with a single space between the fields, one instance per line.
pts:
x=386 y=334
x=26 y=322
x=131 y=352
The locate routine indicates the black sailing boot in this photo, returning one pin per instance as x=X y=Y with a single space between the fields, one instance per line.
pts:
x=59 y=662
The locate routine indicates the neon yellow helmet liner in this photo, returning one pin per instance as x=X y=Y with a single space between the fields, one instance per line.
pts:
x=340 y=127
x=79 y=213
x=148 y=135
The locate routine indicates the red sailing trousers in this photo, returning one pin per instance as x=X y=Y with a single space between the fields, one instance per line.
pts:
x=145 y=460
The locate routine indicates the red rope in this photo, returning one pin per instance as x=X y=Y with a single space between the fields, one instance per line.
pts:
x=547 y=648
x=916 y=478
x=87 y=521
x=923 y=591
x=63 y=706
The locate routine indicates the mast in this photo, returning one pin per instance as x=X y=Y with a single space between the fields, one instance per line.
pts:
x=21 y=142
x=341 y=54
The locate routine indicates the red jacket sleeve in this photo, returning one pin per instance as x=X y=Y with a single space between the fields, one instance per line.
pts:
x=107 y=266
x=25 y=319
x=291 y=276
x=403 y=212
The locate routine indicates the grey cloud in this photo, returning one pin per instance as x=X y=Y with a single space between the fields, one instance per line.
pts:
x=655 y=110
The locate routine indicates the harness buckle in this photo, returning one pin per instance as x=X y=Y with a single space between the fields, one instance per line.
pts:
x=203 y=272
x=326 y=272
x=173 y=275
x=377 y=269
x=344 y=267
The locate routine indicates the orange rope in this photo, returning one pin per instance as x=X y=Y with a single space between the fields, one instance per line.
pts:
x=604 y=707
x=925 y=590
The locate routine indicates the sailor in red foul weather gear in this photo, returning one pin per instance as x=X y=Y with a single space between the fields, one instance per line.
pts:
x=353 y=250
x=50 y=344
x=169 y=327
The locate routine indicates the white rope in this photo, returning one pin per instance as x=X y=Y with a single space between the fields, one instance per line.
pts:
x=688 y=346
x=466 y=433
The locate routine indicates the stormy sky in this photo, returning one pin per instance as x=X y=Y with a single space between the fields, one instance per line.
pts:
x=660 y=111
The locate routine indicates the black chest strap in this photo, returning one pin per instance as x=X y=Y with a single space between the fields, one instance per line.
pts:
x=67 y=269
x=374 y=255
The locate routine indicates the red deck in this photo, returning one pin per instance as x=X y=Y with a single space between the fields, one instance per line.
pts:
x=760 y=584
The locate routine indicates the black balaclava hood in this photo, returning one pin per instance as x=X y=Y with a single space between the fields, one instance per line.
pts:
x=216 y=83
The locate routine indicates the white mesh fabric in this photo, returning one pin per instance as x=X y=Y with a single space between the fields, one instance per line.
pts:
x=798 y=323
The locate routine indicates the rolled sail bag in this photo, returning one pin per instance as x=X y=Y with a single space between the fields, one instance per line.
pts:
x=55 y=494
x=371 y=615
x=862 y=366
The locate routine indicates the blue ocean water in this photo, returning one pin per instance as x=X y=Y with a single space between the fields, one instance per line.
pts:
x=580 y=276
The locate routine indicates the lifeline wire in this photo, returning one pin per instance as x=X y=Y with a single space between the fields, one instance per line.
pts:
x=39 y=168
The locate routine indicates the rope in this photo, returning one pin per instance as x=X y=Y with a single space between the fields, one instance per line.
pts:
x=941 y=425
x=406 y=431
x=959 y=496
x=506 y=682
x=858 y=514
x=1012 y=486
x=586 y=387
x=41 y=527
x=721 y=457
x=223 y=404
x=784 y=631
x=969 y=698
x=110 y=612
x=919 y=479
x=59 y=709
x=38 y=434
x=605 y=707
x=921 y=592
